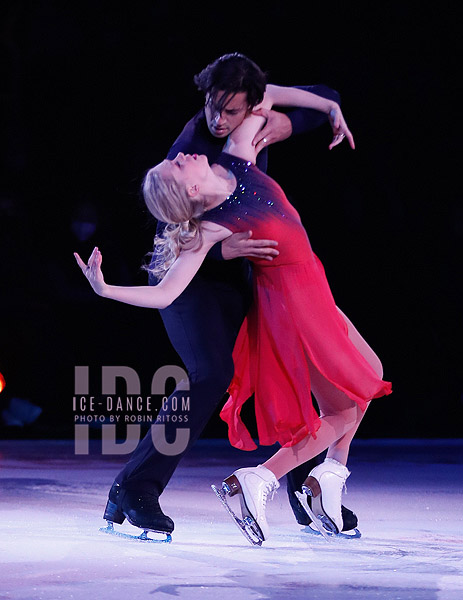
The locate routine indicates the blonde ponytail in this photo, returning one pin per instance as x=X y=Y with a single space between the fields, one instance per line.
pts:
x=171 y=204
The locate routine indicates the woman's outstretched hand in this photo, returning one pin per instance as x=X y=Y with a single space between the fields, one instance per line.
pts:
x=92 y=270
x=340 y=129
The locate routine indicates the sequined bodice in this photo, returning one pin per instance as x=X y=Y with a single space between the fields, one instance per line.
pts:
x=259 y=204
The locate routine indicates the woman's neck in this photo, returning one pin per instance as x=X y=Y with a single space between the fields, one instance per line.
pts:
x=223 y=184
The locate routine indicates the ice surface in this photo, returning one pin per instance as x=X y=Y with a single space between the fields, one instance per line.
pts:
x=408 y=496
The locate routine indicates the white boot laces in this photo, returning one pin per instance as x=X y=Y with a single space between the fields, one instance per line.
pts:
x=344 y=477
x=344 y=484
x=269 y=488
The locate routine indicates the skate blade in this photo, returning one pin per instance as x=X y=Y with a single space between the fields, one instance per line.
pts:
x=247 y=526
x=355 y=535
x=314 y=491
x=143 y=537
x=316 y=520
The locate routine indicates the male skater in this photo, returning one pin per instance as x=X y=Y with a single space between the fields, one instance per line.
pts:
x=204 y=321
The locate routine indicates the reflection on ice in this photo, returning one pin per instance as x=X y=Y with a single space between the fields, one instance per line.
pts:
x=407 y=494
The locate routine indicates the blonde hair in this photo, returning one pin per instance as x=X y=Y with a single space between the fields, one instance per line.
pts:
x=170 y=203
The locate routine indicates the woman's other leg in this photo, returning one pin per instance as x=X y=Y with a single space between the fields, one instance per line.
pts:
x=339 y=450
x=338 y=415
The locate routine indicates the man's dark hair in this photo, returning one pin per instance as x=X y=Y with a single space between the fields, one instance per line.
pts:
x=232 y=73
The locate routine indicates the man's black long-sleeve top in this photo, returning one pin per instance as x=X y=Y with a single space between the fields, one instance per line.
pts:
x=196 y=138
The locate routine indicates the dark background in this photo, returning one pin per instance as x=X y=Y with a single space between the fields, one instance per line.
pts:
x=95 y=92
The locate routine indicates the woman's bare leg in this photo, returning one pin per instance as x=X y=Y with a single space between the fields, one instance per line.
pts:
x=339 y=450
x=362 y=346
x=340 y=417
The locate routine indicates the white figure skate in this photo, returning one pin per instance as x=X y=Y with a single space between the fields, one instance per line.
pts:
x=325 y=485
x=254 y=485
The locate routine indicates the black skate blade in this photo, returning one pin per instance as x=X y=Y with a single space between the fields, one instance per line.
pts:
x=344 y=535
x=315 y=519
x=143 y=537
x=247 y=527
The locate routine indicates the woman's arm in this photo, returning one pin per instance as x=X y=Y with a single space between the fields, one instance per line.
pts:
x=295 y=121
x=289 y=96
x=162 y=295
x=277 y=95
x=240 y=140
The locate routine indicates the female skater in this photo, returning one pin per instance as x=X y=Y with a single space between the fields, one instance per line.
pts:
x=294 y=339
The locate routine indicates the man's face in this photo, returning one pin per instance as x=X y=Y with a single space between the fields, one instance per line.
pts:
x=234 y=108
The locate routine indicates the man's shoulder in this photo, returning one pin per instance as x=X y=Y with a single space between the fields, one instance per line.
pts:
x=196 y=138
x=195 y=128
x=196 y=125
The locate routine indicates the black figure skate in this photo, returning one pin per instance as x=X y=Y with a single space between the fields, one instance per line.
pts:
x=141 y=509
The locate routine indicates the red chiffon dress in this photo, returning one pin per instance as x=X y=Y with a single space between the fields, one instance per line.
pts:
x=293 y=325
